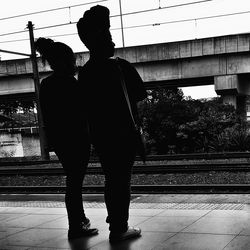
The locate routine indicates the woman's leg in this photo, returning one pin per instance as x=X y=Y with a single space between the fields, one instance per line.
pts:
x=75 y=165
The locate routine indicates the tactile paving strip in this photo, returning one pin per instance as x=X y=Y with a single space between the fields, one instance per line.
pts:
x=185 y=206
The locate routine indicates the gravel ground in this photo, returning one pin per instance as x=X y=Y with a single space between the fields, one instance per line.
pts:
x=211 y=177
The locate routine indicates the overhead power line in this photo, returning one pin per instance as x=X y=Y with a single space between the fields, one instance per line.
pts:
x=185 y=20
x=39 y=28
x=49 y=10
x=13 y=33
x=129 y=13
x=77 y=5
x=161 y=8
x=14 y=52
x=53 y=26
x=16 y=40
x=126 y=27
x=26 y=39
x=154 y=24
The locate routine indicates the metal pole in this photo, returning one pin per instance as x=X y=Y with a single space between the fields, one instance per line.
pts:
x=123 y=43
x=43 y=140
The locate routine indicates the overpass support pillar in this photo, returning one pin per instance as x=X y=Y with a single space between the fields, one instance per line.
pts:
x=231 y=88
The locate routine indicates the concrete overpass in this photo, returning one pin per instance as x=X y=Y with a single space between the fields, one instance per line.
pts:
x=223 y=61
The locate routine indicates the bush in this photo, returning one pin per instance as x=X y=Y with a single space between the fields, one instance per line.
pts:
x=182 y=125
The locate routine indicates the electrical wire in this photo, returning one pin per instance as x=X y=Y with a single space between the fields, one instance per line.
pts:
x=161 y=8
x=49 y=10
x=129 y=13
x=26 y=39
x=77 y=5
x=40 y=28
x=186 y=20
x=13 y=41
x=153 y=24
x=14 y=52
x=74 y=34
x=128 y=27
x=54 y=26
x=14 y=33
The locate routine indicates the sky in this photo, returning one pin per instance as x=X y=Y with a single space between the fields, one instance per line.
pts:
x=164 y=24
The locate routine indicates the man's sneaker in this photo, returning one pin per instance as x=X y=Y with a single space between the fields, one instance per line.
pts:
x=83 y=231
x=132 y=232
x=73 y=234
x=85 y=223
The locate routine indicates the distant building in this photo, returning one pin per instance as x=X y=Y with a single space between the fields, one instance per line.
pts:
x=19 y=135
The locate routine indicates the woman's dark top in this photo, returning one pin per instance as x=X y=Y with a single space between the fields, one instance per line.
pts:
x=63 y=116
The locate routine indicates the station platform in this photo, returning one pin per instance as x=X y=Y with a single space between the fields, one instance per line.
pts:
x=169 y=221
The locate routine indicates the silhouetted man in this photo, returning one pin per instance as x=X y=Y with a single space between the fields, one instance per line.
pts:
x=111 y=127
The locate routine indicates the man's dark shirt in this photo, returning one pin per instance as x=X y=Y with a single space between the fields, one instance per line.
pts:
x=104 y=98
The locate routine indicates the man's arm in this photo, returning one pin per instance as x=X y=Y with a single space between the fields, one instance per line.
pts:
x=134 y=83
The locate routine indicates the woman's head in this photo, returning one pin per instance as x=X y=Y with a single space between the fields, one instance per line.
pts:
x=60 y=56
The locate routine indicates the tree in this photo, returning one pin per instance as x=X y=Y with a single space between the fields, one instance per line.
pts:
x=172 y=122
x=163 y=112
x=214 y=117
x=20 y=111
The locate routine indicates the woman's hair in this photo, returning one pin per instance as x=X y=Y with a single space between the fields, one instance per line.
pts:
x=53 y=52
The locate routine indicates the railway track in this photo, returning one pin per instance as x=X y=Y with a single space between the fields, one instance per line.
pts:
x=21 y=161
x=138 y=169
x=135 y=189
x=50 y=168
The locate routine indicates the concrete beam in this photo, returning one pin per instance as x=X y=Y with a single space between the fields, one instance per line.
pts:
x=209 y=66
x=151 y=53
x=226 y=85
x=186 y=49
x=234 y=89
x=175 y=72
x=18 y=84
x=176 y=63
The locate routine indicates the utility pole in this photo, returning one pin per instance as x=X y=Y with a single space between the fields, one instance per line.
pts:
x=120 y=4
x=43 y=141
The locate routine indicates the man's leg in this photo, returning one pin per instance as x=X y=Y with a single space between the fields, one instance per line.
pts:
x=117 y=161
x=117 y=194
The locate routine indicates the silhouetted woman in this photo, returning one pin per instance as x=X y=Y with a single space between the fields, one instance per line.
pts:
x=66 y=128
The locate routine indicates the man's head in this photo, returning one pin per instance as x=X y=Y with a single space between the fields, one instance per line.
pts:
x=93 y=30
